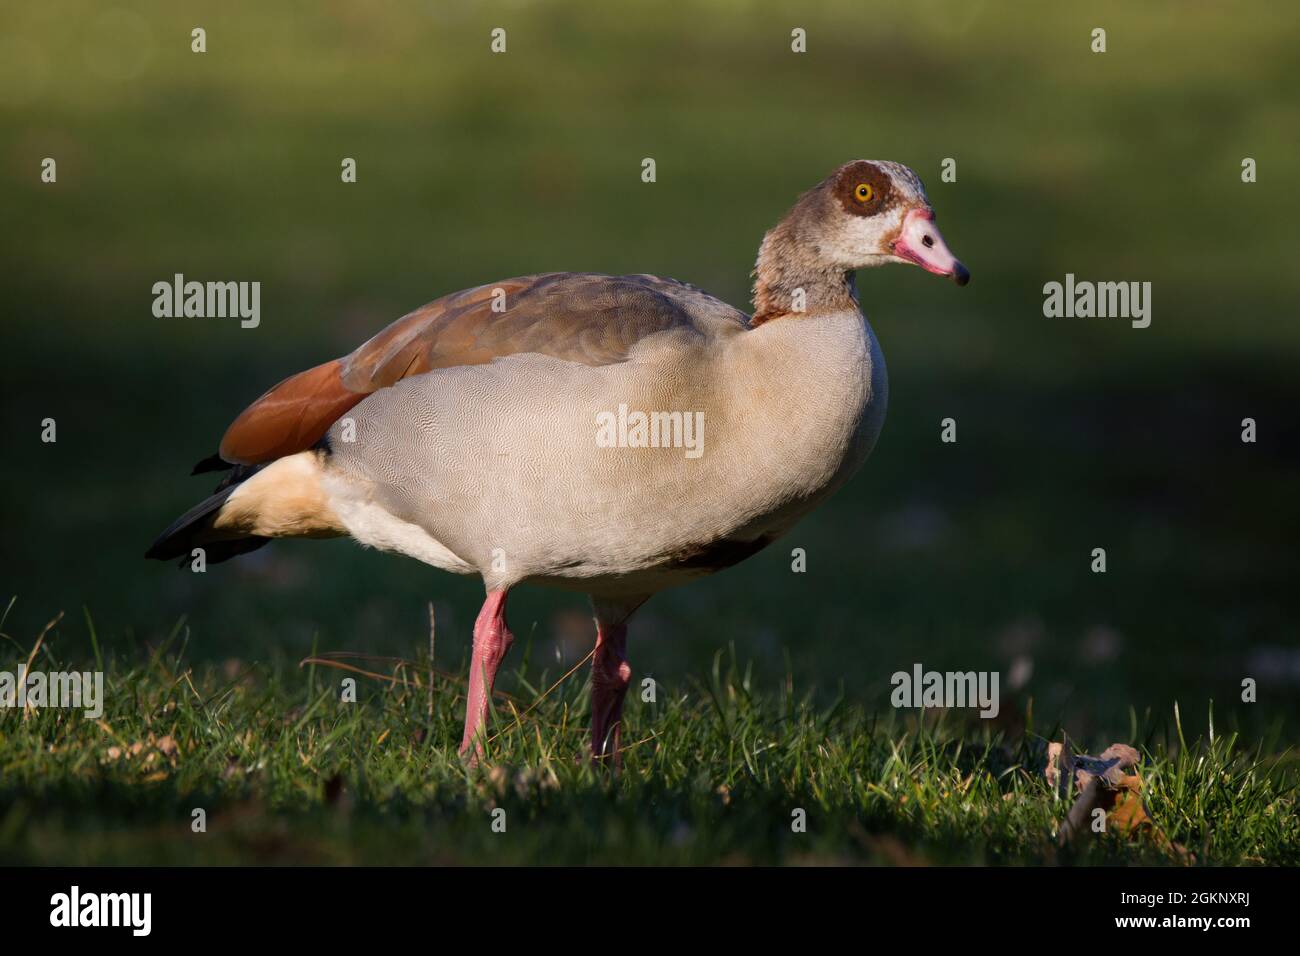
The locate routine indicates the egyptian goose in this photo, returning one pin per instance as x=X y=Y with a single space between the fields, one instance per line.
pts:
x=614 y=435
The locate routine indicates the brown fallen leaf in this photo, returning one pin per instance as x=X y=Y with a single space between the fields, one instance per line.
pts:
x=1112 y=763
x=1104 y=784
x=1128 y=814
x=148 y=750
x=1060 y=766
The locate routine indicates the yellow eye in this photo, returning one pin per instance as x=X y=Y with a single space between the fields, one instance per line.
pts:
x=864 y=192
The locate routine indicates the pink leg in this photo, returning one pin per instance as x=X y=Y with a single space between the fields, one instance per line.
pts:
x=610 y=676
x=491 y=641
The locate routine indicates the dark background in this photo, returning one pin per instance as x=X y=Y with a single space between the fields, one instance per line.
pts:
x=1073 y=433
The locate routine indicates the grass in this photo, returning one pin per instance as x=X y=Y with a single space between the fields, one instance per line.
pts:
x=713 y=772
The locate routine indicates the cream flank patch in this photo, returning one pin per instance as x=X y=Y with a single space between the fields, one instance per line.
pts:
x=284 y=499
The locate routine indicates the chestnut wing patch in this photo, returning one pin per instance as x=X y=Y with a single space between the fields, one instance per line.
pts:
x=291 y=417
x=578 y=317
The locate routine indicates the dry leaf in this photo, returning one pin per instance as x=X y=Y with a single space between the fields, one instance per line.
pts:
x=1060 y=766
x=1104 y=784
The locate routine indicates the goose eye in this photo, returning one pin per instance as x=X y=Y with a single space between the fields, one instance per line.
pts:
x=864 y=192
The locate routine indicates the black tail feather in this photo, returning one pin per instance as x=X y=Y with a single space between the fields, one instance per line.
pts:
x=211 y=463
x=190 y=530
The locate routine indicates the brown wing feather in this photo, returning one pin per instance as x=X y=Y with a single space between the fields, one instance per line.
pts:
x=578 y=317
x=292 y=416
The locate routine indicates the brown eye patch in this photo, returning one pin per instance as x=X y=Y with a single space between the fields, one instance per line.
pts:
x=864 y=189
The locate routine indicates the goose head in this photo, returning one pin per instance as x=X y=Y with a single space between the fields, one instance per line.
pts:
x=865 y=214
x=870 y=212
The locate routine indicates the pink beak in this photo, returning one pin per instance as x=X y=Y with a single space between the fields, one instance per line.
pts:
x=920 y=242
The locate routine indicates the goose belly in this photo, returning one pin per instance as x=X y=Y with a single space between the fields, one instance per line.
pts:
x=616 y=479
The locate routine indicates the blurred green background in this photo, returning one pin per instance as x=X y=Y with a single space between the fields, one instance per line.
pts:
x=1073 y=434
